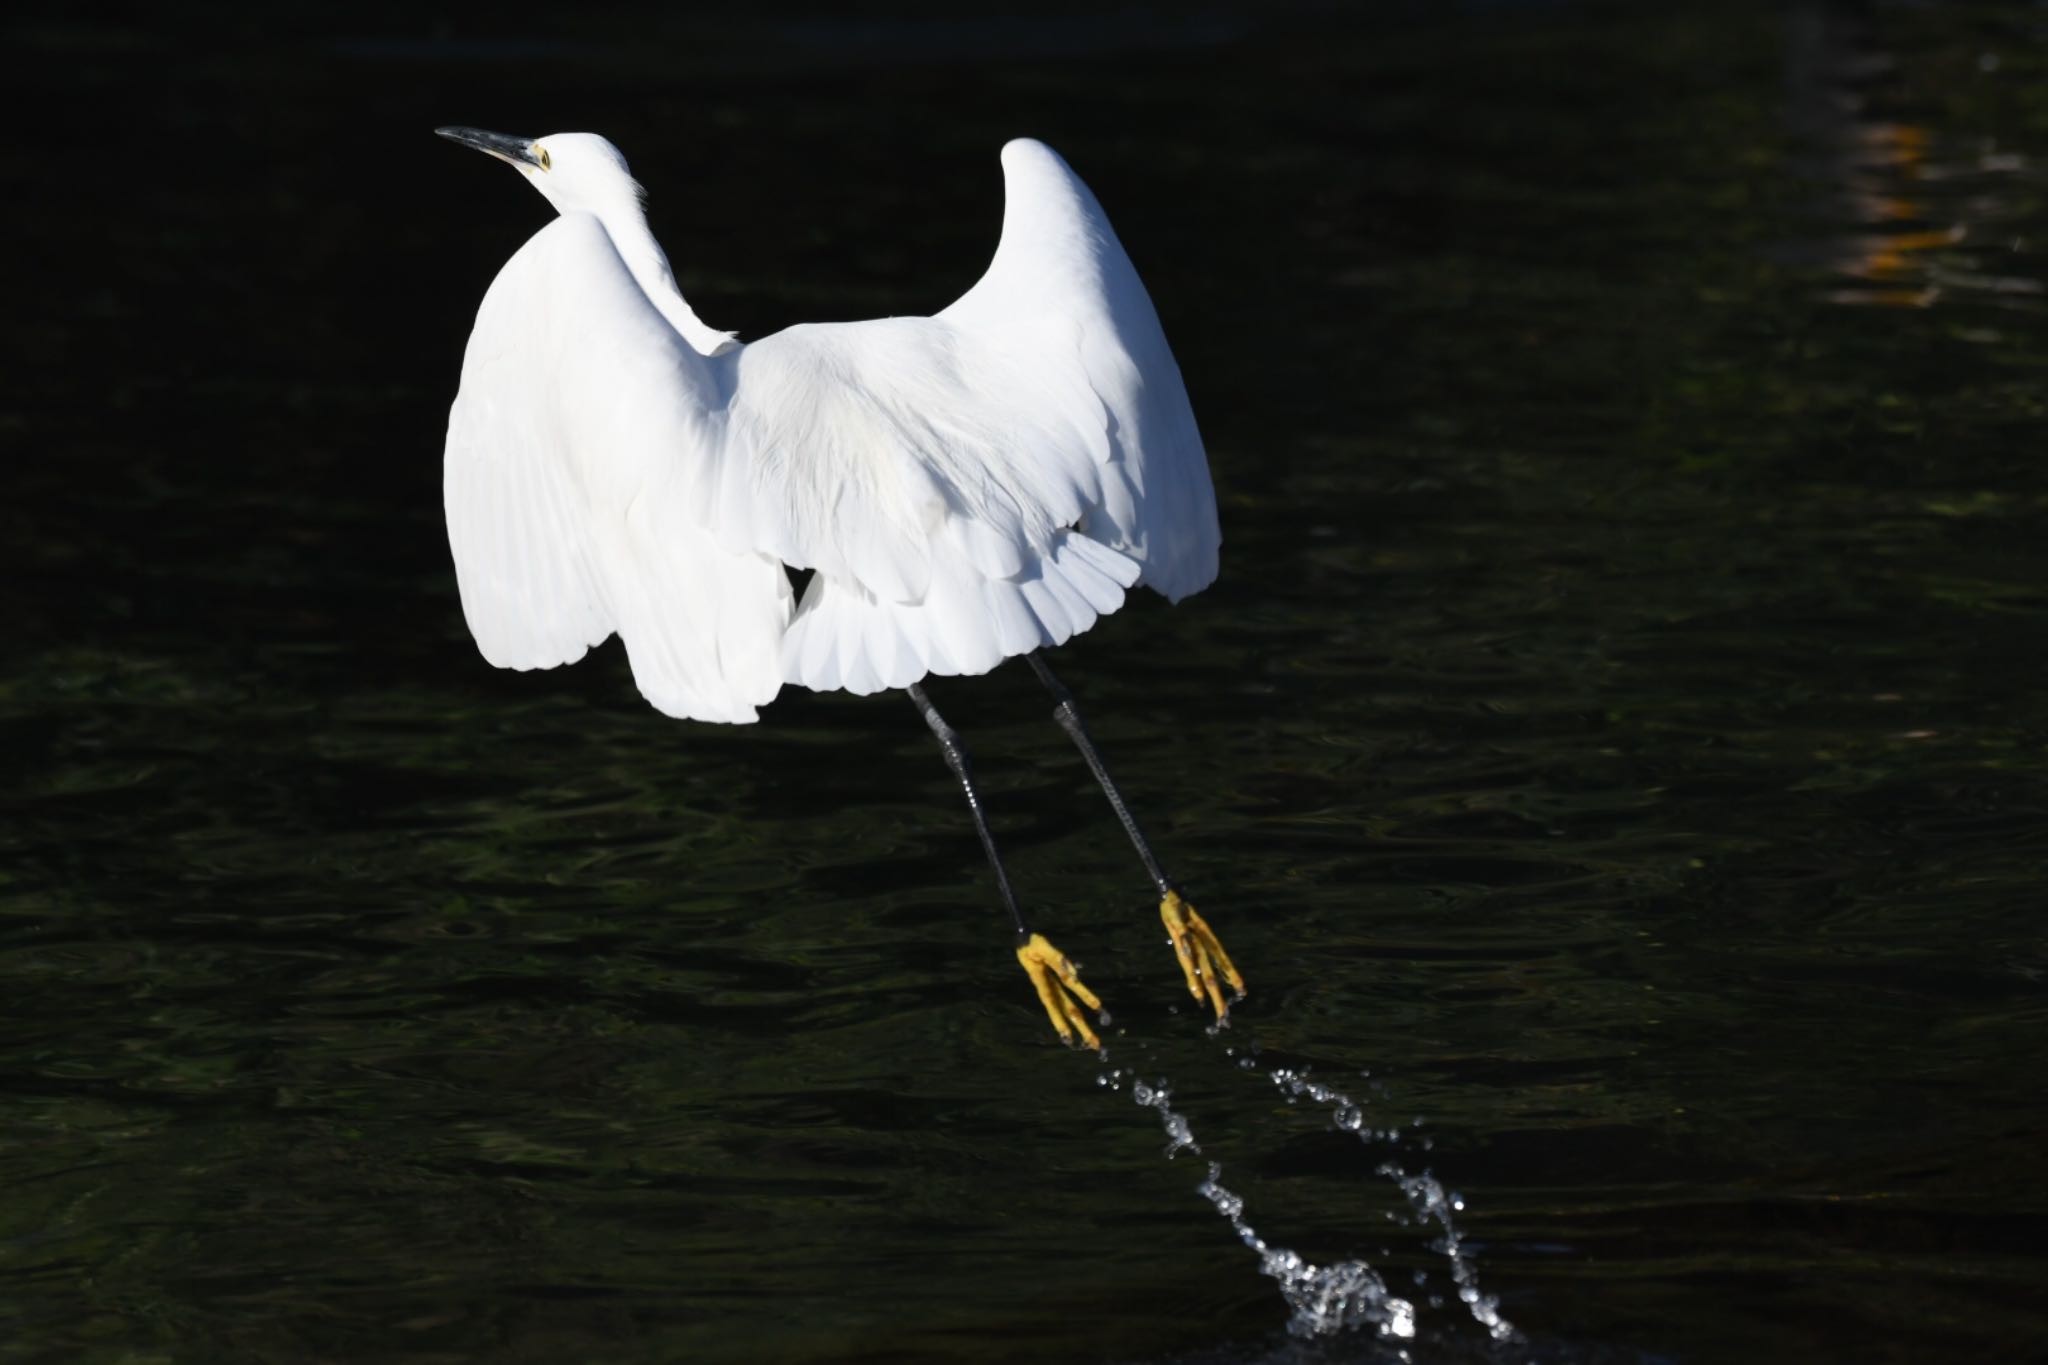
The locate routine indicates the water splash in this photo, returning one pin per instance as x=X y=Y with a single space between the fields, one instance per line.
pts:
x=1426 y=1196
x=1345 y=1295
x=1180 y=1138
x=1325 y=1299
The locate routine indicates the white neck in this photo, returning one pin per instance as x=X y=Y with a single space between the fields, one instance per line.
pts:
x=627 y=226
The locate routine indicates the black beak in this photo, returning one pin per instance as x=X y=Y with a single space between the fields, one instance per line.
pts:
x=516 y=150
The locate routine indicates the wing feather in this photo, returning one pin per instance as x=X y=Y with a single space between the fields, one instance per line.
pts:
x=967 y=487
x=984 y=482
x=583 y=450
x=1062 y=288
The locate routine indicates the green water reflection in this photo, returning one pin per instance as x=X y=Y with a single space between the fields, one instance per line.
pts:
x=1619 y=725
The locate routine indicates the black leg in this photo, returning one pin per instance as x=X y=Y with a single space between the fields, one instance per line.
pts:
x=1069 y=717
x=1057 y=981
x=1202 y=959
x=956 y=759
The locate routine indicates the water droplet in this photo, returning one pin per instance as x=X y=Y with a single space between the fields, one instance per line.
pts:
x=1347 y=1294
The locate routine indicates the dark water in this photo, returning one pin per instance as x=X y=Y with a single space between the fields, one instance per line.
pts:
x=1619 y=727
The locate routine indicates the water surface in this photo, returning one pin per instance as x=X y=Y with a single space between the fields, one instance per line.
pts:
x=1613 y=750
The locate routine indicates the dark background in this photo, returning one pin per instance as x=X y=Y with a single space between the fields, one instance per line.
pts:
x=1617 y=729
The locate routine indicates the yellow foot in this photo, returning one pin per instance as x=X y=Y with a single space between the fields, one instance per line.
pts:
x=1059 y=989
x=1202 y=958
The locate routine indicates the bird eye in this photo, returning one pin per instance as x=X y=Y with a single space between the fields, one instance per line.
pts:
x=546 y=162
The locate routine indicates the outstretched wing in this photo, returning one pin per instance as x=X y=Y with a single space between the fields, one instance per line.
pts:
x=981 y=483
x=581 y=451
x=1063 y=298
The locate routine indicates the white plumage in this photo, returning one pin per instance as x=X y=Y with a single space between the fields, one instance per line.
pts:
x=967 y=487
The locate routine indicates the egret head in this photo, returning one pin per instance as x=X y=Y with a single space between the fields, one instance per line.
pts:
x=576 y=172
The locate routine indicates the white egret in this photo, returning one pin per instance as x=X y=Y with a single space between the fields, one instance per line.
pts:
x=966 y=487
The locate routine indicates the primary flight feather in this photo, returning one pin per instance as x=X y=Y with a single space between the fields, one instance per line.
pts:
x=967 y=487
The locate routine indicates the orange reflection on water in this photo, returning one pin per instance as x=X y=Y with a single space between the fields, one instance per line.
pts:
x=1887 y=158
